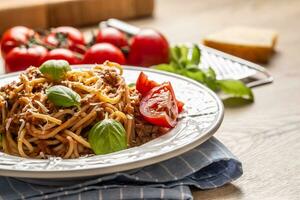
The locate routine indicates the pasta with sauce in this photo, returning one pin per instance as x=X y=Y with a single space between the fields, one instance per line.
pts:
x=32 y=126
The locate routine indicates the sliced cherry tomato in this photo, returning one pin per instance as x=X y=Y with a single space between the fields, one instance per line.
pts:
x=144 y=85
x=66 y=37
x=19 y=58
x=159 y=106
x=101 y=52
x=14 y=37
x=63 y=54
x=147 y=48
x=112 y=36
x=180 y=105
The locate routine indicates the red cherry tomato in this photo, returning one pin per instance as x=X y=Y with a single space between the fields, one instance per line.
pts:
x=66 y=37
x=147 y=48
x=62 y=54
x=144 y=85
x=101 y=52
x=112 y=36
x=73 y=34
x=19 y=58
x=15 y=37
x=159 y=106
x=180 y=105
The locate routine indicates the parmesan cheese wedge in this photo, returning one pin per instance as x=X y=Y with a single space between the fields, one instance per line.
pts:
x=252 y=44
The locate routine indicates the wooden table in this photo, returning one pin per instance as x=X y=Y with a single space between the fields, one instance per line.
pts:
x=265 y=135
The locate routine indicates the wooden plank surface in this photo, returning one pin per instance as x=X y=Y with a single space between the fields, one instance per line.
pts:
x=265 y=135
x=28 y=13
x=88 y=12
x=51 y=13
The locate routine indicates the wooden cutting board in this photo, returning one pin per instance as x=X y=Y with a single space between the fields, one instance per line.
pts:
x=51 y=13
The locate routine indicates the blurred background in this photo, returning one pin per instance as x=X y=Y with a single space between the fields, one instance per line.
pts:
x=188 y=21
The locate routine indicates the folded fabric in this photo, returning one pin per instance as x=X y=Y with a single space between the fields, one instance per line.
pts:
x=209 y=165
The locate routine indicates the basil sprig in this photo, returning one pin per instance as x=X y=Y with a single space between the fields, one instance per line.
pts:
x=55 y=70
x=236 y=88
x=107 y=136
x=63 y=96
x=185 y=61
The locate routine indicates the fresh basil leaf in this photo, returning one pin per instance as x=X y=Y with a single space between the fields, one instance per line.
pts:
x=211 y=73
x=236 y=88
x=176 y=66
x=175 y=54
x=167 y=68
x=55 y=70
x=194 y=55
x=184 y=50
x=197 y=75
x=185 y=61
x=211 y=84
x=107 y=136
x=233 y=102
x=210 y=79
x=63 y=96
x=192 y=67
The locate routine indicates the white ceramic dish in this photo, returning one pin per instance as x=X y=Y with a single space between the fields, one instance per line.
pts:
x=202 y=116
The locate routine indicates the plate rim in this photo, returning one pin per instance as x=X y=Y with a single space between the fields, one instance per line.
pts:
x=98 y=171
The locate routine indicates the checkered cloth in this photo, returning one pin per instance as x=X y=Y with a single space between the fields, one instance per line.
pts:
x=209 y=165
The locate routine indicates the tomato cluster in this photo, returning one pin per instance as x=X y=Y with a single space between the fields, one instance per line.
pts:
x=22 y=47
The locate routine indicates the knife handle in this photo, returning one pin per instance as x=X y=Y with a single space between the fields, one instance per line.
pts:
x=121 y=25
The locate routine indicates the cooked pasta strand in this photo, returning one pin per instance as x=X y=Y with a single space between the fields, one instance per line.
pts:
x=46 y=117
x=85 y=119
x=71 y=147
x=20 y=143
x=78 y=138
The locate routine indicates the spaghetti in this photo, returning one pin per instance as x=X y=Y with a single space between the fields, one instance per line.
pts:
x=32 y=126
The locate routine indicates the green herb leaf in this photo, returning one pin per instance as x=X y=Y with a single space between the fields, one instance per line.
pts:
x=194 y=55
x=233 y=102
x=55 y=70
x=185 y=61
x=197 y=75
x=211 y=74
x=176 y=56
x=184 y=51
x=236 y=89
x=63 y=96
x=166 y=67
x=107 y=136
x=211 y=79
x=192 y=68
x=175 y=53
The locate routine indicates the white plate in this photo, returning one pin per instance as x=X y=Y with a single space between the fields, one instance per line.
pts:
x=202 y=117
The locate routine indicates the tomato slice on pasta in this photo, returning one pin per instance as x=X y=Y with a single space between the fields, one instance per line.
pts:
x=144 y=85
x=159 y=106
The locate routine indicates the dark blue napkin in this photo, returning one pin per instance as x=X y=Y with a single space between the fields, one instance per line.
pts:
x=209 y=165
